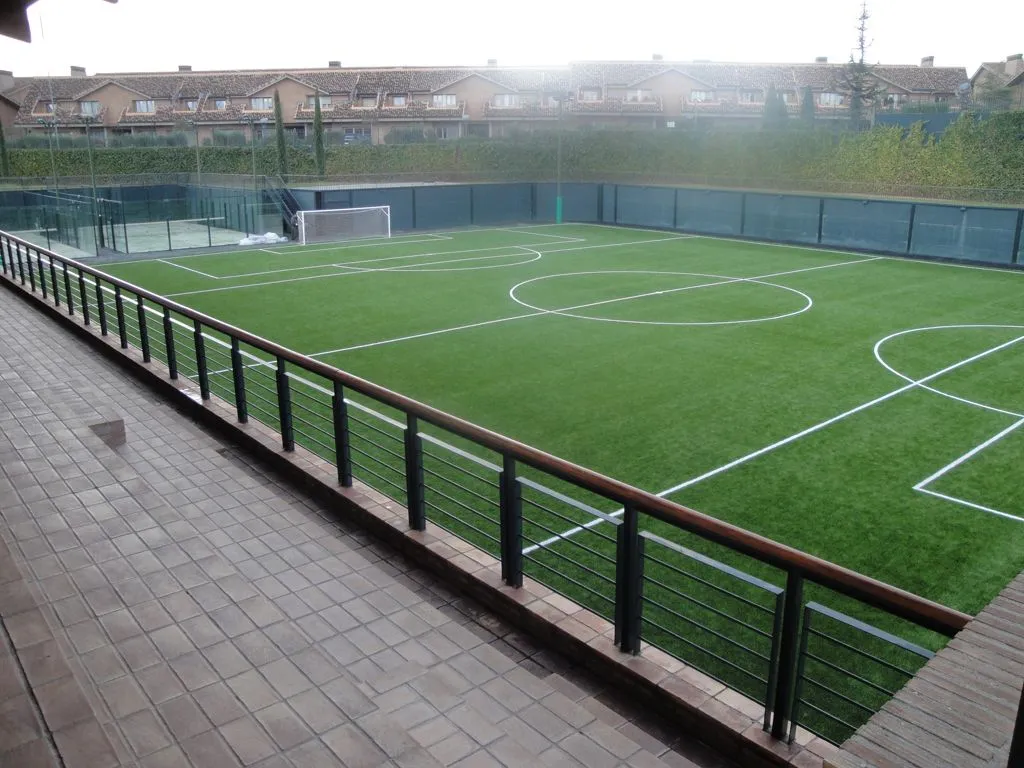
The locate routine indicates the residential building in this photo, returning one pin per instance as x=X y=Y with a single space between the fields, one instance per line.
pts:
x=366 y=104
x=1003 y=80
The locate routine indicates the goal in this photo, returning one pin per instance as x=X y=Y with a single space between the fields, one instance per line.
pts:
x=337 y=224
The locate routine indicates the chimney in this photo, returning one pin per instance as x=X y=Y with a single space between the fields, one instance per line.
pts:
x=492 y=62
x=821 y=59
x=334 y=64
x=928 y=61
x=1014 y=64
x=184 y=67
x=657 y=57
x=6 y=80
x=77 y=71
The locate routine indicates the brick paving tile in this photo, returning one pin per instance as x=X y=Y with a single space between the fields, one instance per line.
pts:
x=222 y=619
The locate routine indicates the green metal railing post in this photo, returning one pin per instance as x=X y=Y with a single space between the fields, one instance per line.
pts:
x=172 y=355
x=67 y=290
x=122 y=328
x=53 y=284
x=201 y=369
x=342 y=446
x=85 y=298
x=629 y=577
x=789 y=651
x=238 y=375
x=511 y=510
x=32 y=277
x=101 y=308
x=143 y=330
x=284 y=407
x=415 y=500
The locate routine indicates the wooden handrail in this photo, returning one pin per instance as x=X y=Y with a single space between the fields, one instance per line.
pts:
x=899 y=602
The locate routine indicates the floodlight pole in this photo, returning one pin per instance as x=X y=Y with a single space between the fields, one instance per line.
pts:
x=53 y=159
x=88 y=120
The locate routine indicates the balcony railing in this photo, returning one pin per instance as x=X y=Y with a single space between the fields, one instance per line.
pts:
x=767 y=634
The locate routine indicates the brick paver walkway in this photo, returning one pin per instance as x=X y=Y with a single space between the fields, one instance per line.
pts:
x=167 y=603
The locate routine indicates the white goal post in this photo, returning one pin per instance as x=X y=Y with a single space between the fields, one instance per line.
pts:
x=338 y=224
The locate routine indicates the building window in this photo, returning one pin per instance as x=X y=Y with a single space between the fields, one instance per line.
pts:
x=398 y=101
x=446 y=132
x=506 y=100
x=191 y=105
x=446 y=100
x=701 y=96
x=45 y=106
x=368 y=101
x=830 y=99
x=788 y=97
x=750 y=97
x=263 y=103
x=89 y=107
x=221 y=103
x=941 y=98
x=325 y=102
x=639 y=94
x=590 y=96
x=145 y=105
x=364 y=132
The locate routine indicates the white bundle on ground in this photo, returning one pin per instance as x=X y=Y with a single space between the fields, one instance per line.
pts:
x=269 y=238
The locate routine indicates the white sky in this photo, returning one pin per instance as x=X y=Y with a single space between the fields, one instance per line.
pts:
x=158 y=35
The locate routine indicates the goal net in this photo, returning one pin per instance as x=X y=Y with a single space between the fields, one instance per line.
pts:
x=335 y=225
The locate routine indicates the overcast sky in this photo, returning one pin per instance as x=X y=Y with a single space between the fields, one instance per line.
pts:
x=158 y=35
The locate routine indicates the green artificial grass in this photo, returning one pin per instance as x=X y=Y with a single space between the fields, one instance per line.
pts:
x=665 y=361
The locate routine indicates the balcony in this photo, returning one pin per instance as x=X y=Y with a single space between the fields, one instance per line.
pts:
x=523 y=109
x=616 y=106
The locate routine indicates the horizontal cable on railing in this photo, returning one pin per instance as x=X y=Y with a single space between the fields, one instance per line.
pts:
x=377 y=445
x=470 y=491
x=705 y=606
x=878 y=660
x=364 y=468
x=711 y=585
x=848 y=674
x=566 y=540
x=684 y=618
x=489 y=536
x=458 y=452
x=705 y=651
x=568 y=520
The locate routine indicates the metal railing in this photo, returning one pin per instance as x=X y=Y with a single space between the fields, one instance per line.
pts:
x=621 y=556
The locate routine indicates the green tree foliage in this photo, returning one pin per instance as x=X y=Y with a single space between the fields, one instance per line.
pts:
x=991 y=94
x=807 y=106
x=5 y=159
x=282 y=145
x=775 y=113
x=319 y=151
x=856 y=80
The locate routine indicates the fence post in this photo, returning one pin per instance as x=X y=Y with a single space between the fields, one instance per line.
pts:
x=629 y=577
x=511 y=506
x=169 y=246
x=85 y=297
x=67 y=290
x=284 y=407
x=414 y=475
x=21 y=265
x=122 y=330
x=805 y=632
x=5 y=244
x=201 y=370
x=101 y=308
x=789 y=649
x=53 y=283
x=342 y=449
x=143 y=330
x=238 y=375
x=32 y=277
x=1017 y=740
x=172 y=355
x=39 y=266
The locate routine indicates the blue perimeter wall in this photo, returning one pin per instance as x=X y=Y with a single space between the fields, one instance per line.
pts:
x=928 y=230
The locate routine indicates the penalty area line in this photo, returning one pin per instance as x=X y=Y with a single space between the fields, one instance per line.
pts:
x=786 y=441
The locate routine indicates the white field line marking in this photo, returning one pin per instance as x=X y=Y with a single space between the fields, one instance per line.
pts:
x=474 y=250
x=524 y=231
x=567 y=309
x=877 y=351
x=785 y=441
x=922 y=486
x=188 y=269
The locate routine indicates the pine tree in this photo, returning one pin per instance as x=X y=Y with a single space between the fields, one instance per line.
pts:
x=282 y=146
x=856 y=80
x=775 y=113
x=318 y=139
x=807 y=106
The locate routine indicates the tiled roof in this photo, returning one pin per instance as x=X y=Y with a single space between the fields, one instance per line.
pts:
x=60 y=116
x=759 y=76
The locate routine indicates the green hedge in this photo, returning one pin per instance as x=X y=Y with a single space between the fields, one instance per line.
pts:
x=972 y=153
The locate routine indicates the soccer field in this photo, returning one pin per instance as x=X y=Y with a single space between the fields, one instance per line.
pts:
x=863 y=409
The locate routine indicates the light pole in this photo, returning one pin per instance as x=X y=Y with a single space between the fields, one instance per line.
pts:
x=53 y=158
x=251 y=120
x=89 y=120
x=562 y=97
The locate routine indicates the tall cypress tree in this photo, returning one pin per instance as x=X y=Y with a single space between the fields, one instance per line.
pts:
x=318 y=138
x=775 y=113
x=856 y=80
x=807 y=106
x=282 y=146
x=5 y=160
